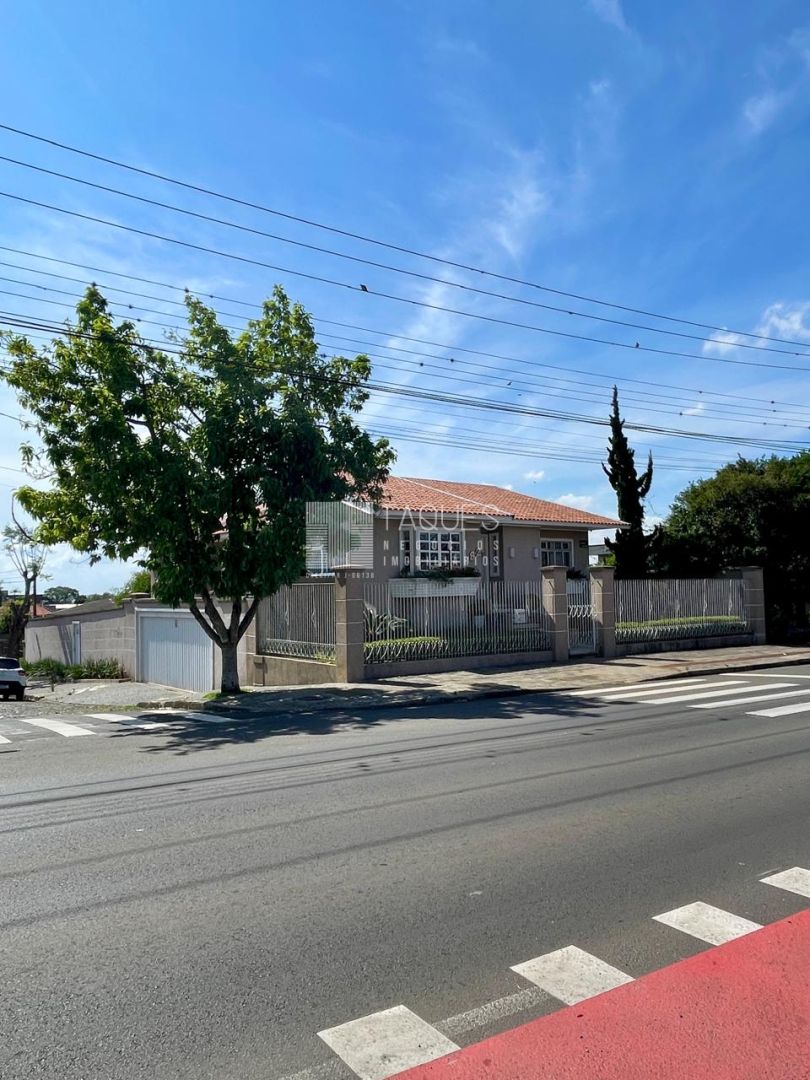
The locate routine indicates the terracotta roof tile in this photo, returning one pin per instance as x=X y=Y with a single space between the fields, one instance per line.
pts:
x=446 y=496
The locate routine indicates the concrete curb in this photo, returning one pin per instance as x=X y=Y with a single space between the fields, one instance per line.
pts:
x=413 y=698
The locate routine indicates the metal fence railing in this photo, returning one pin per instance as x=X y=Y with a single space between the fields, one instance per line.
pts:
x=654 y=609
x=298 y=620
x=475 y=619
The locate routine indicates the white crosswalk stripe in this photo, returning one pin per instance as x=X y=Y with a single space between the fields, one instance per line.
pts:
x=703 y=693
x=750 y=700
x=59 y=727
x=784 y=710
x=641 y=689
x=384 y=1043
x=796 y=880
x=708 y=923
x=571 y=974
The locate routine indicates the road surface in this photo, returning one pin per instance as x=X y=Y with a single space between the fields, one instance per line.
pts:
x=201 y=900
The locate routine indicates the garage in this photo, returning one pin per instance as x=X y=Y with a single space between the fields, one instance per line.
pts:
x=174 y=650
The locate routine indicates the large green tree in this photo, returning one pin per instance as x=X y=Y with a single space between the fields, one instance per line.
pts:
x=750 y=513
x=198 y=458
x=630 y=546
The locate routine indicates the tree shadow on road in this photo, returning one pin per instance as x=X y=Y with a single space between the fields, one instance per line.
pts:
x=181 y=735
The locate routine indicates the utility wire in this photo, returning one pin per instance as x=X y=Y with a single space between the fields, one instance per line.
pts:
x=476 y=403
x=365 y=290
x=428 y=369
x=235 y=200
x=382 y=333
x=432 y=279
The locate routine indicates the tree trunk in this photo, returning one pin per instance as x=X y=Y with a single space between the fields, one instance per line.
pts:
x=16 y=631
x=230 y=672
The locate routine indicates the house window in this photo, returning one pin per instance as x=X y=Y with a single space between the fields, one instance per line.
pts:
x=557 y=552
x=435 y=549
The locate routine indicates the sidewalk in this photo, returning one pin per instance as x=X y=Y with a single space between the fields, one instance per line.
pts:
x=453 y=686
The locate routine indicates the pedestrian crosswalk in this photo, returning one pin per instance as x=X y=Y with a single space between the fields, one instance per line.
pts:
x=383 y=1044
x=767 y=692
x=69 y=726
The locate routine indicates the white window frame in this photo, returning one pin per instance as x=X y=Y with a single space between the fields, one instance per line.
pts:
x=441 y=538
x=550 y=550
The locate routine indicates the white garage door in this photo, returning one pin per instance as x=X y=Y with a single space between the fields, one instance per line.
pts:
x=174 y=650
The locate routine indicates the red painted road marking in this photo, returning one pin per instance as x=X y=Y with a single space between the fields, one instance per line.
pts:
x=739 y=1011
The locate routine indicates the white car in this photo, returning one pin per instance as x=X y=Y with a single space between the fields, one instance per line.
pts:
x=12 y=678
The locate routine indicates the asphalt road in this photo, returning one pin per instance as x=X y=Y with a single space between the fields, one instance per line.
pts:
x=201 y=904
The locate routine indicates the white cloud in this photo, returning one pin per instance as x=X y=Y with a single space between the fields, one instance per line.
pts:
x=611 y=12
x=581 y=502
x=696 y=410
x=721 y=342
x=534 y=474
x=790 y=321
x=761 y=110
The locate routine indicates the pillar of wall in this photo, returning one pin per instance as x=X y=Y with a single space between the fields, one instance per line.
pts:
x=349 y=624
x=603 y=599
x=555 y=602
x=754 y=601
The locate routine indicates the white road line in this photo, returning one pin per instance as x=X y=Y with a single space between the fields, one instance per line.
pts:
x=762 y=675
x=708 y=923
x=184 y=714
x=750 y=700
x=794 y=880
x=662 y=688
x=571 y=974
x=614 y=689
x=114 y=717
x=57 y=726
x=384 y=1043
x=3 y=739
x=499 y=1009
x=707 y=694
x=784 y=710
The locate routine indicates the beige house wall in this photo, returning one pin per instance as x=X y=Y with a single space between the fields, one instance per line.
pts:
x=106 y=634
x=522 y=540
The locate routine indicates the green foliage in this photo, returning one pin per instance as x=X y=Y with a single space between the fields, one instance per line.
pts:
x=203 y=460
x=750 y=513
x=378 y=625
x=6 y=615
x=106 y=668
x=46 y=668
x=630 y=545
x=62 y=594
x=139 y=582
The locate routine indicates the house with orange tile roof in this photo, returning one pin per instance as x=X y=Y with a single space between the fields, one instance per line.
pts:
x=423 y=525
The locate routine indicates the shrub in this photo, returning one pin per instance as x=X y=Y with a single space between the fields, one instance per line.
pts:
x=91 y=669
x=102 y=669
x=48 y=667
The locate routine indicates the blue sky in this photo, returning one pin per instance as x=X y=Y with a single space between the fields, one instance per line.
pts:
x=651 y=155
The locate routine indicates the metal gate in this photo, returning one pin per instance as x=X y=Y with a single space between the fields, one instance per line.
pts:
x=581 y=625
x=174 y=650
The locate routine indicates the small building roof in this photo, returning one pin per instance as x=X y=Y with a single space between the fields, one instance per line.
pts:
x=409 y=493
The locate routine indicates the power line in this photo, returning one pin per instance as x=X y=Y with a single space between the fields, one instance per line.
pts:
x=404 y=271
x=428 y=369
x=495 y=320
x=627 y=395
x=202 y=190
x=477 y=403
x=383 y=333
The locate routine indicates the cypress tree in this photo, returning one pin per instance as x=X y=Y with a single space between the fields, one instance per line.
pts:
x=630 y=545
